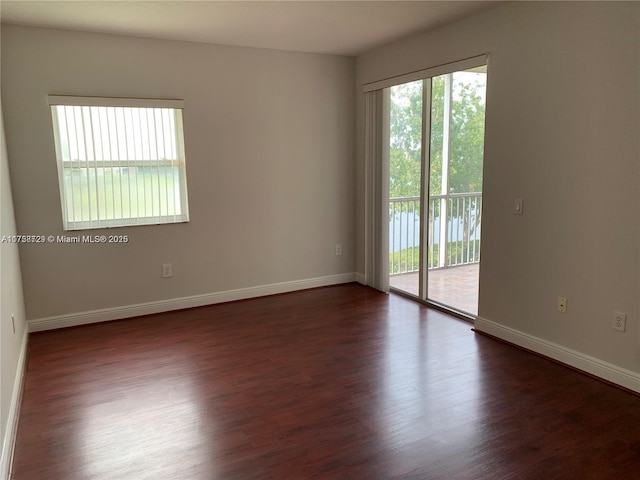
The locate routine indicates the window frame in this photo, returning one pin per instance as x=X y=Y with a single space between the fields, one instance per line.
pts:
x=92 y=165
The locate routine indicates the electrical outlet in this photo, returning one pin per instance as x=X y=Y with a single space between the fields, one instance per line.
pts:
x=562 y=305
x=338 y=249
x=619 y=321
x=167 y=270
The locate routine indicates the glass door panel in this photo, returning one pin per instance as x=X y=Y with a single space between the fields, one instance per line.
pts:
x=455 y=187
x=405 y=185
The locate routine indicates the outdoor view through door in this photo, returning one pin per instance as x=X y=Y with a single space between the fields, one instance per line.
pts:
x=436 y=146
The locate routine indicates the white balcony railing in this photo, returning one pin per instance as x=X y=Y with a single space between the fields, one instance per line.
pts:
x=454 y=224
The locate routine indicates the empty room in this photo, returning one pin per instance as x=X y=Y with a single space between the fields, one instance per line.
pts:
x=323 y=239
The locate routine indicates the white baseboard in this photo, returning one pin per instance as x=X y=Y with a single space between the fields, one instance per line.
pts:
x=360 y=278
x=12 y=420
x=117 y=313
x=594 y=366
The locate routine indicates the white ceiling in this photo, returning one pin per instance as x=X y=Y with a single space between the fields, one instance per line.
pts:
x=334 y=27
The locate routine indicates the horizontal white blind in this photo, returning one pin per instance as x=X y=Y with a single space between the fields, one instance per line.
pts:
x=451 y=67
x=119 y=165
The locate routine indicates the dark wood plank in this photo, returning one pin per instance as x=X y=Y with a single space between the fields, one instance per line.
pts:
x=339 y=382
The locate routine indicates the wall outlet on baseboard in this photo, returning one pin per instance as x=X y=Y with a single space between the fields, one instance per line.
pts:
x=338 y=249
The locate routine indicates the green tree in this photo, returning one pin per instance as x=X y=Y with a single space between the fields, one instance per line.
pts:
x=405 y=140
x=466 y=137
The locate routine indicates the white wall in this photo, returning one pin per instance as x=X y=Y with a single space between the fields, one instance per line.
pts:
x=269 y=142
x=12 y=344
x=562 y=128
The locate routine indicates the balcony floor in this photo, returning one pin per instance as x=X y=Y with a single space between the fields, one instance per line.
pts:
x=456 y=287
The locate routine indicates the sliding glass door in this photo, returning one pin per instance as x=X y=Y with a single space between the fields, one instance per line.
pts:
x=435 y=155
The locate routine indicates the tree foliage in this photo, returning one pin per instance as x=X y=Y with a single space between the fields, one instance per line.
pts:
x=466 y=136
x=467 y=139
x=405 y=139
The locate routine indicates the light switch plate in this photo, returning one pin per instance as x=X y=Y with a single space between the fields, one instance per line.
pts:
x=518 y=205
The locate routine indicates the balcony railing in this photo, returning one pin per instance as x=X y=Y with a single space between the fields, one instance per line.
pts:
x=454 y=224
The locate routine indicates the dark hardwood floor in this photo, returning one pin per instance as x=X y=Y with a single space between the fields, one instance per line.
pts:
x=338 y=383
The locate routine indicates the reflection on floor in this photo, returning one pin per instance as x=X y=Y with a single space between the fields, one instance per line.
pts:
x=333 y=383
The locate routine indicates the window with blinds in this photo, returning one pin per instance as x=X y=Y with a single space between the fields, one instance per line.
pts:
x=121 y=161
